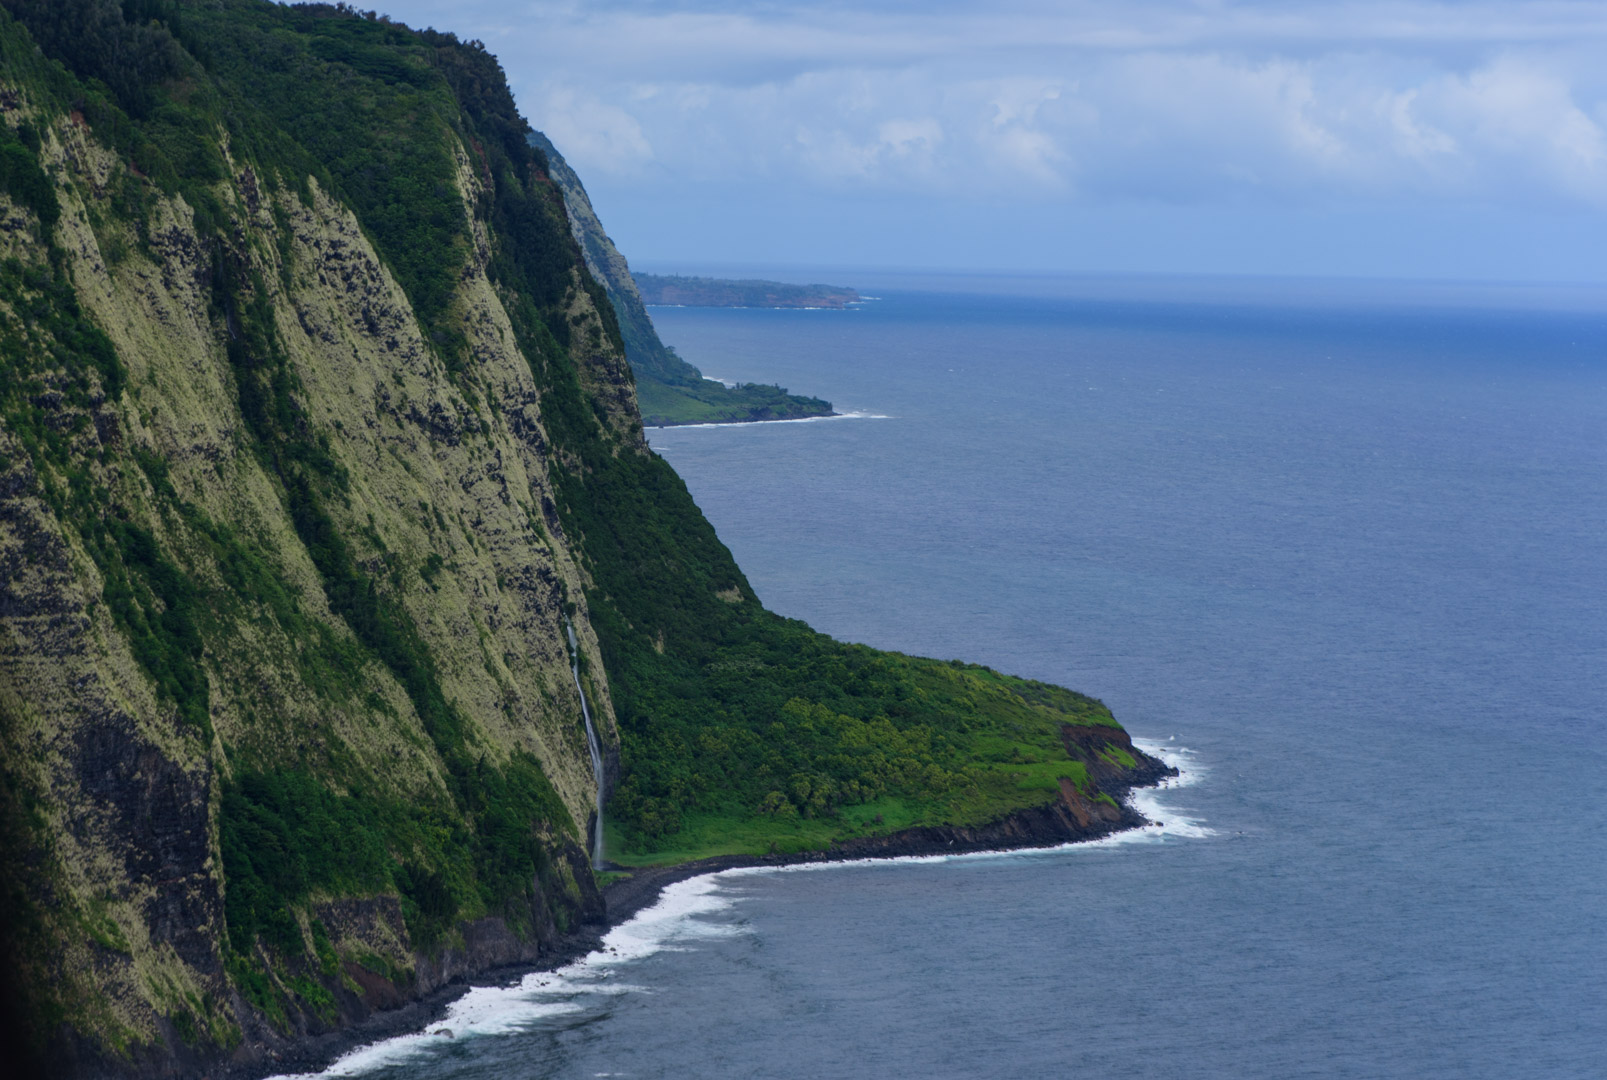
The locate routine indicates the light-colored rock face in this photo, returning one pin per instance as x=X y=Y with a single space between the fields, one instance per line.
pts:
x=447 y=505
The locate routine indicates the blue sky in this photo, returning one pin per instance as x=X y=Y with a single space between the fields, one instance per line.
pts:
x=1378 y=139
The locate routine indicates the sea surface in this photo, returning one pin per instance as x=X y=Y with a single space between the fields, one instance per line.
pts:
x=1337 y=550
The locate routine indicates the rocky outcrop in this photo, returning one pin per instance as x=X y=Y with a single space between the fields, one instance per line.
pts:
x=1114 y=764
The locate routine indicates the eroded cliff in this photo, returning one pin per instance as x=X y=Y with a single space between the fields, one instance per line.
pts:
x=279 y=541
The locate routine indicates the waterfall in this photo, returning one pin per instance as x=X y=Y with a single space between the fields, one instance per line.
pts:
x=591 y=744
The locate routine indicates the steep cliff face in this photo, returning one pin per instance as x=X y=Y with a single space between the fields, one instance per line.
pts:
x=317 y=439
x=288 y=717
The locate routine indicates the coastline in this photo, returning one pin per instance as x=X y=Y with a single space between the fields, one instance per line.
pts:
x=1051 y=825
x=850 y=305
x=851 y=415
x=1037 y=827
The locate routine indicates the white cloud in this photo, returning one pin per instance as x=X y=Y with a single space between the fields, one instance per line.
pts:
x=592 y=133
x=1173 y=100
x=1522 y=119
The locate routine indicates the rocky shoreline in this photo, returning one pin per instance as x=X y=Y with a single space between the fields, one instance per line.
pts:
x=1038 y=827
x=1073 y=818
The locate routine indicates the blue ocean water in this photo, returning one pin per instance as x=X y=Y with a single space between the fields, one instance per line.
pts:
x=1340 y=551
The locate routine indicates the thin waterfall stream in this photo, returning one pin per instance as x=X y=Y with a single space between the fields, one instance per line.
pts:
x=591 y=744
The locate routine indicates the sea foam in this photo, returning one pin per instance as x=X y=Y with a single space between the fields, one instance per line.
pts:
x=676 y=919
x=679 y=918
x=851 y=415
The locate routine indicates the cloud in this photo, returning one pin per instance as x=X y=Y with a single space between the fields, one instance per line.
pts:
x=1521 y=119
x=1175 y=101
x=605 y=137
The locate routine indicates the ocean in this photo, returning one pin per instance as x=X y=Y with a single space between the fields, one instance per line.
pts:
x=1338 y=550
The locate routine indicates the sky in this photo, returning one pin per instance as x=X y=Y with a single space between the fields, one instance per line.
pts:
x=1399 y=139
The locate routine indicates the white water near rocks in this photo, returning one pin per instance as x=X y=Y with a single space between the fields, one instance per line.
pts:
x=704 y=908
x=591 y=745
x=680 y=916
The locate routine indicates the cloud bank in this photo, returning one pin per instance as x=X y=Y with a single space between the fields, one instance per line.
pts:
x=1171 y=103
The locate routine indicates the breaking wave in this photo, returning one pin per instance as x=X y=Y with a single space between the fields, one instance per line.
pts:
x=679 y=917
x=675 y=919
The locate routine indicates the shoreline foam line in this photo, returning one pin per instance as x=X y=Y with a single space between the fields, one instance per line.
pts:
x=1163 y=823
x=791 y=420
x=539 y=995
x=674 y=916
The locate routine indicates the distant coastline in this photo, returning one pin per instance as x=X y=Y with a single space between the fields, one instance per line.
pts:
x=675 y=290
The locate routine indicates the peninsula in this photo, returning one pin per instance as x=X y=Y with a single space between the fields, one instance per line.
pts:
x=674 y=290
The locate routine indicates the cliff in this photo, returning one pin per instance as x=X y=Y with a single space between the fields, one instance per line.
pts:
x=317 y=436
x=670 y=390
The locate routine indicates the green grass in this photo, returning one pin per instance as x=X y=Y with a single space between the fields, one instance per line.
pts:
x=974 y=778
x=705 y=835
x=787 y=725
x=1000 y=788
x=714 y=403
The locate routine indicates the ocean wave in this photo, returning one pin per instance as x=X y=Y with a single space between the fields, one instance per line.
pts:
x=674 y=921
x=1165 y=822
x=679 y=918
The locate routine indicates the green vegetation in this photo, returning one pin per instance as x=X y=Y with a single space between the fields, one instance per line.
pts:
x=279 y=636
x=737 y=724
x=285 y=836
x=23 y=179
x=668 y=389
x=746 y=292
x=708 y=402
x=785 y=740
x=372 y=112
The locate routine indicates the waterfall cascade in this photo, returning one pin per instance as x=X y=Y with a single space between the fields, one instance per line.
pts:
x=591 y=744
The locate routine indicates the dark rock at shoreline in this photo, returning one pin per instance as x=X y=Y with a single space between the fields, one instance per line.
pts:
x=497 y=958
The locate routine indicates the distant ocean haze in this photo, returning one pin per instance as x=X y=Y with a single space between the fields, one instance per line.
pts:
x=1340 y=551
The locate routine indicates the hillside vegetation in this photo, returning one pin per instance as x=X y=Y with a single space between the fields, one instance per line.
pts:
x=669 y=389
x=316 y=433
